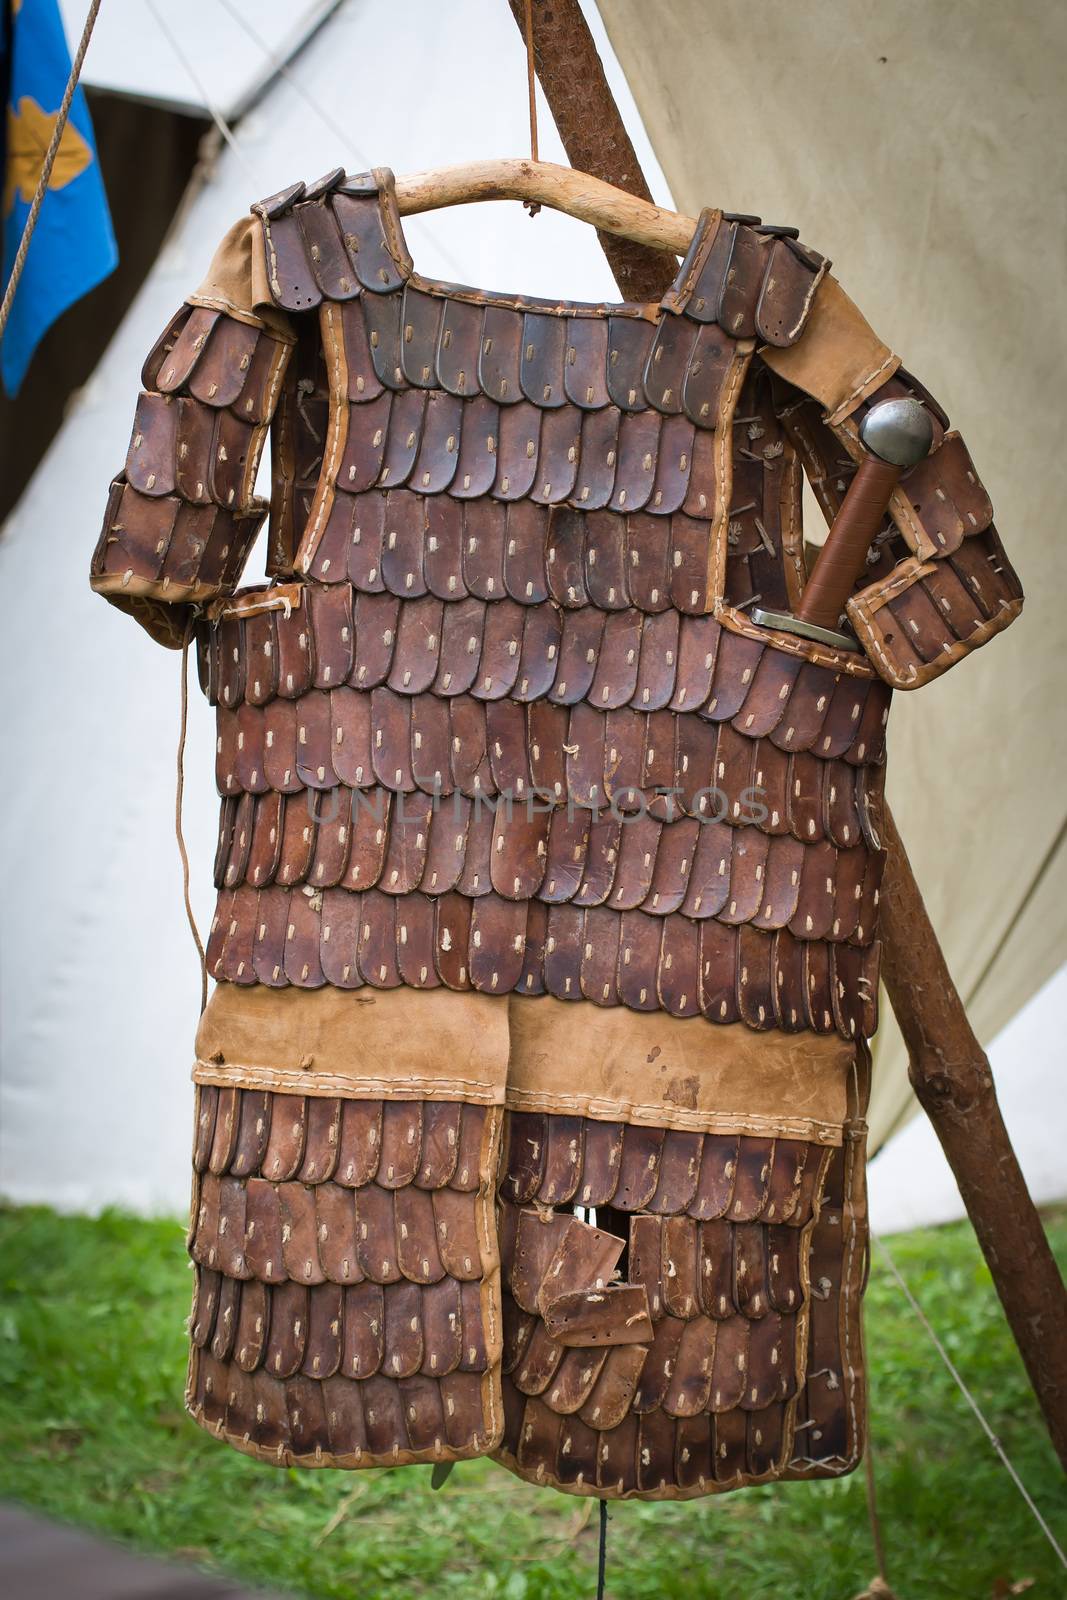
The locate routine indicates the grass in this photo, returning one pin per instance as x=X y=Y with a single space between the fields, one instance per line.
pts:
x=92 y=1354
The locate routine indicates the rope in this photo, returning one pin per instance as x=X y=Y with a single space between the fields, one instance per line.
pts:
x=880 y=1585
x=531 y=80
x=332 y=127
x=971 y=1401
x=602 y=1554
x=283 y=71
x=179 y=795
x=532 y=206
x=213 y=111
x=46 y=170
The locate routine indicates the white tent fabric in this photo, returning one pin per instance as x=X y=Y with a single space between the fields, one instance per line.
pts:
x=923 y=148
x=100 y=978
x=1027 y=1062
x=132 y=55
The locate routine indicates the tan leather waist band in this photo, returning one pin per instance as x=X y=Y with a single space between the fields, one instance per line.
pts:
x=384 y=1044
x=633 y=1066
x=531 y=1054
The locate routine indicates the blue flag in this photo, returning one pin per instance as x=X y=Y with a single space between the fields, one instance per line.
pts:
x=73 y=246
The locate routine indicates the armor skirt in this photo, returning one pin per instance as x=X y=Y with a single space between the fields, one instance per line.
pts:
x=606 y=1257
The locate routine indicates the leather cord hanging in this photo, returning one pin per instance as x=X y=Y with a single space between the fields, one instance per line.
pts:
x=179 y=793
x=592 y=131
x=878 y=1588
x=531 y=80
x=532 y=207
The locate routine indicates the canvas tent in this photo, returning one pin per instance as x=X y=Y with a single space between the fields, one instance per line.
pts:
x=100 y=977
x=935 y=209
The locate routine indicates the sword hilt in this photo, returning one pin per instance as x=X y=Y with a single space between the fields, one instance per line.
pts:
x=896 y=435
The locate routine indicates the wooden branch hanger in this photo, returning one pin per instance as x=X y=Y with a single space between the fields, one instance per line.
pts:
x=544 y=183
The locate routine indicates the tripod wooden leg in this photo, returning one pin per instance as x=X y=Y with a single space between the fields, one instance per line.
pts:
x=949 y=1070
x=950 y=1074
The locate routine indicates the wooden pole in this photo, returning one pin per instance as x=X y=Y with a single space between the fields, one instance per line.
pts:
x=948 y=1068
x=593 y=132
x=950 y=1074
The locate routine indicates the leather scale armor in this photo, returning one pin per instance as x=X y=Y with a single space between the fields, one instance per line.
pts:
x=509 y=774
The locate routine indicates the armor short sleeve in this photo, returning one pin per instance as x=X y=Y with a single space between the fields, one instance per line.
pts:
x=182 y=515
x=938 y=583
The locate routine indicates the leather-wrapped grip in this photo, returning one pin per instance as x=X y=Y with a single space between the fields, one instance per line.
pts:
x=843 y=555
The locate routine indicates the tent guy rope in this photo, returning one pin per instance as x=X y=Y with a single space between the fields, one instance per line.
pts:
x=882 y=1248
x=347 y=146
x=213 y=111
x=289 y=77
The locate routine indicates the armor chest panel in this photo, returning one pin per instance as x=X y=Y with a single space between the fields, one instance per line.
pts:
x=517 y=734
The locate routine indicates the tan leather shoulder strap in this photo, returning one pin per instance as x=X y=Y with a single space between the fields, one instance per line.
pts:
x=840 y=360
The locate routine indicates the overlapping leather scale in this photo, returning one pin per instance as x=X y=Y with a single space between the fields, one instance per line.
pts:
x=528 y=356
x=362 y=840
x=703 y=863
x=500 y=743
x=670 y=1172
x=339 y=1260
x=681 y=1378
x=725 y=971
x=754 y=279
x=740 y=280
x=209 y=391
x=529 y=402
x=183 y=515
x=167 y=540
x=327 y=240
x=825 y=1439
x=962 y=592
x=525 y=760
x=412 y=544
x=544 y=649
x=502 y=464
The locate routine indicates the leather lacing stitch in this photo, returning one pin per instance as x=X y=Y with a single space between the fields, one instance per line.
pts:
x=337 y=435
x=224 y=1073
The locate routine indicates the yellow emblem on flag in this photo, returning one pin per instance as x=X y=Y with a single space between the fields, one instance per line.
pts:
x=29 y=132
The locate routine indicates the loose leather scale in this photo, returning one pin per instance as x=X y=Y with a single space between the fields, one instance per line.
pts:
x=501 y=724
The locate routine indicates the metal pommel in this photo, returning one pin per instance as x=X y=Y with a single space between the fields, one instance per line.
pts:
x=898 y=432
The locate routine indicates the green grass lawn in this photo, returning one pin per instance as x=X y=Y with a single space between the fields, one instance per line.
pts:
x=92 y=1431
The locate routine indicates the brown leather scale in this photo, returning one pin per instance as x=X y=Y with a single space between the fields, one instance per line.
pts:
x=531 y=1094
